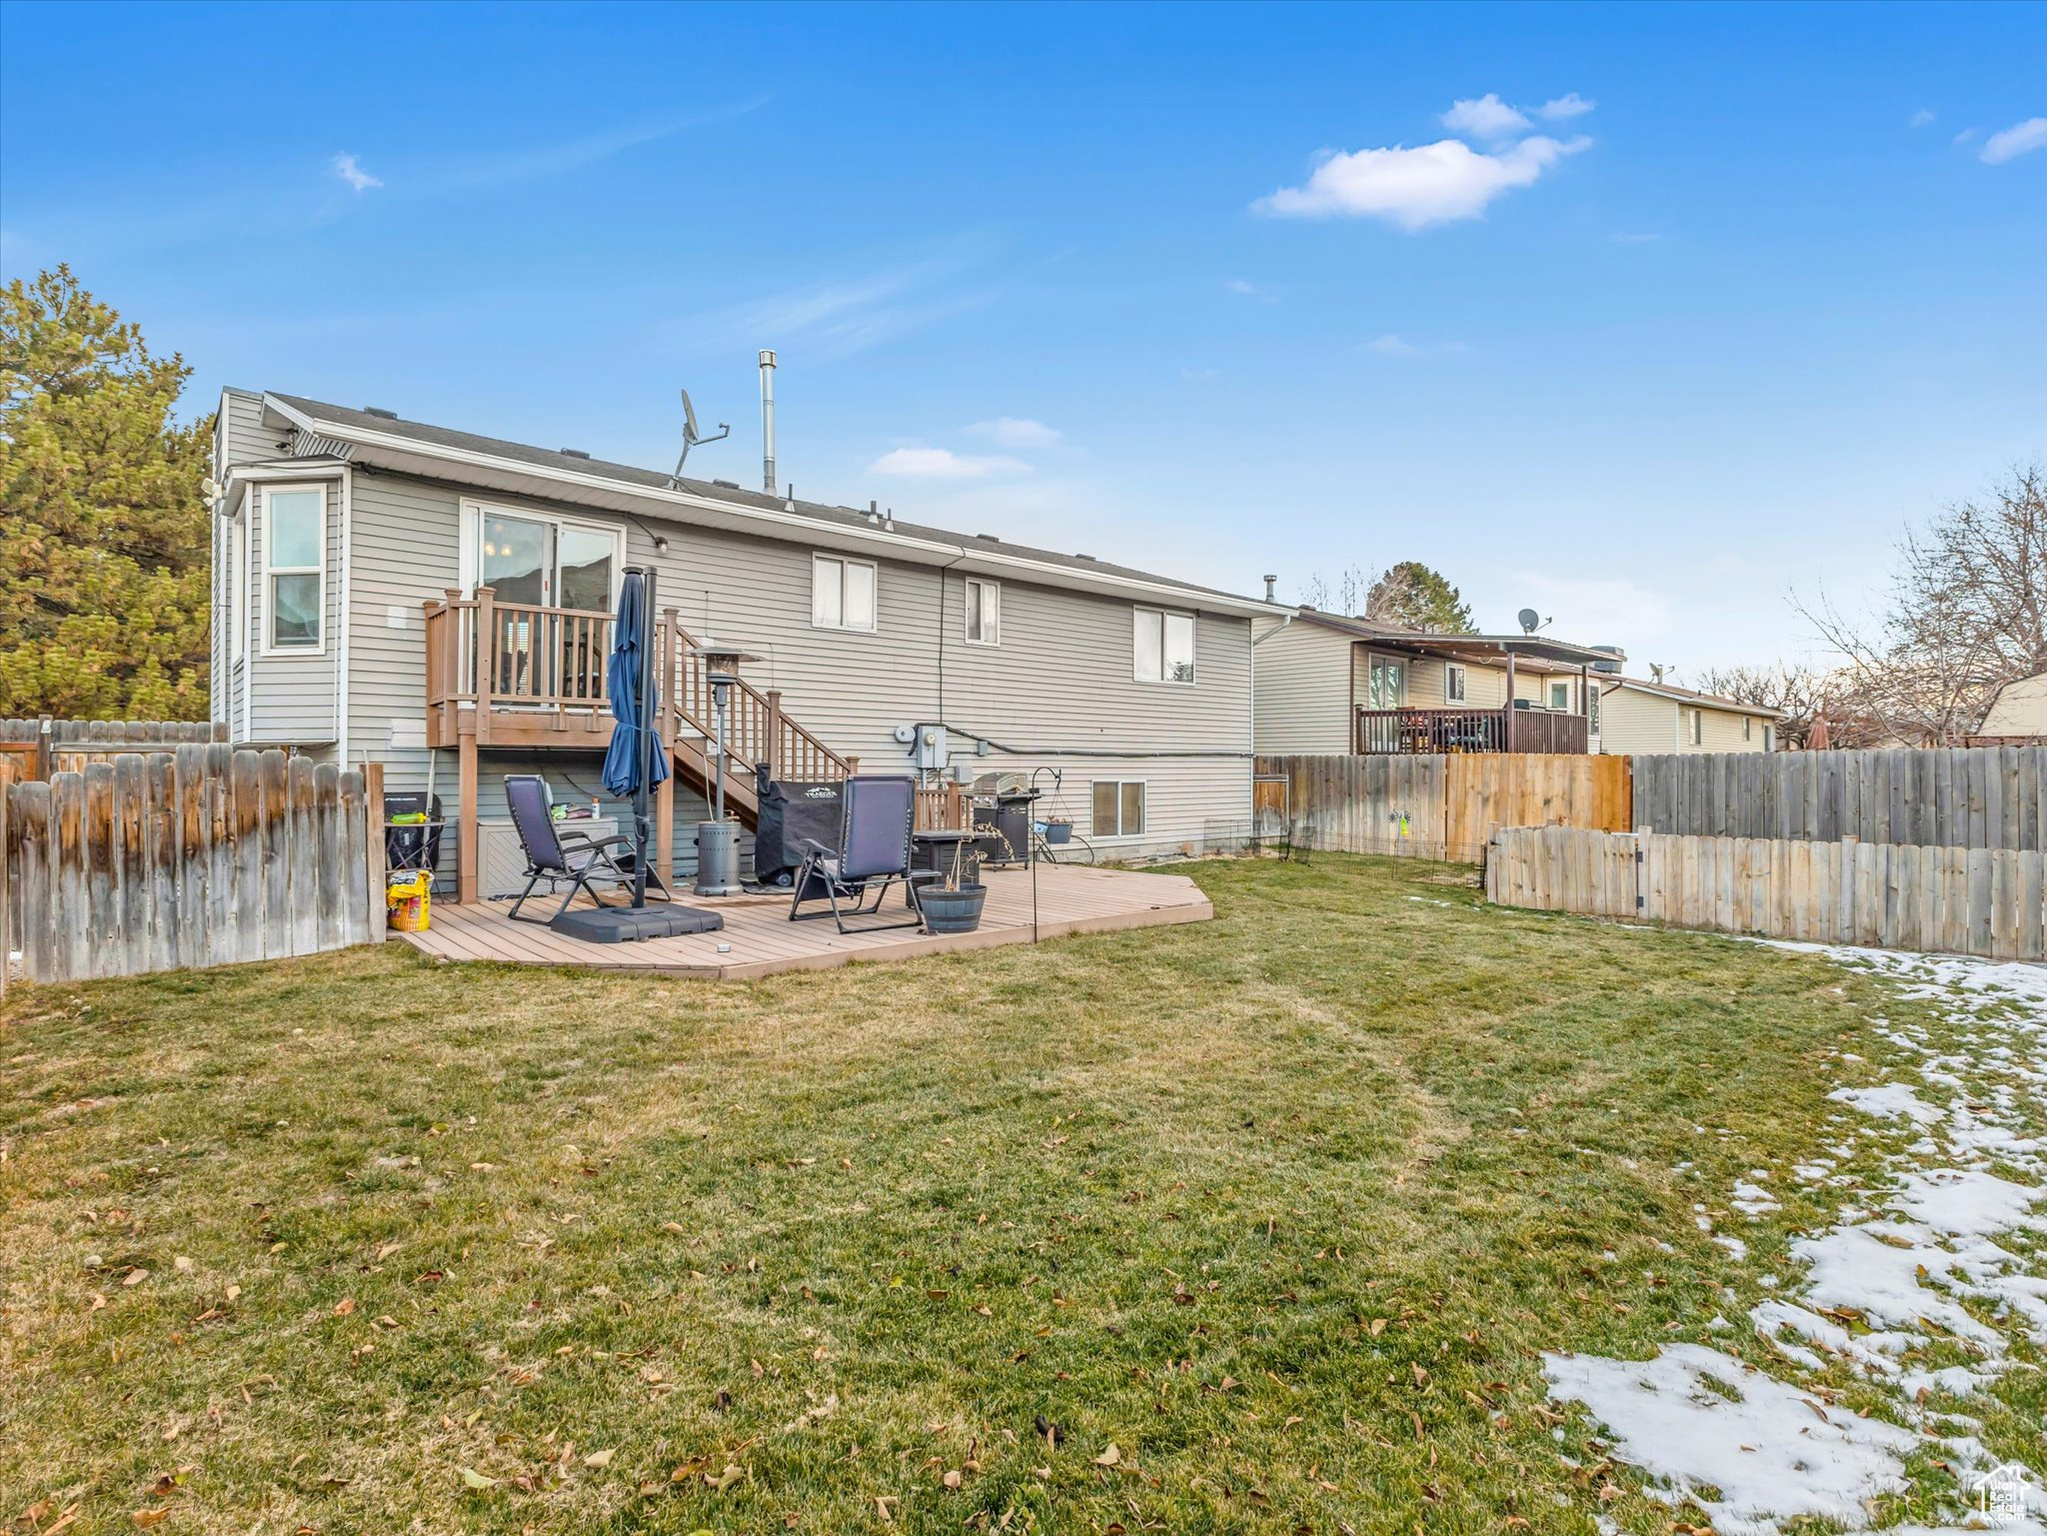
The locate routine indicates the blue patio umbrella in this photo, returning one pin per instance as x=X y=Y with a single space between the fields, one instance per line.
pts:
x=634 y=764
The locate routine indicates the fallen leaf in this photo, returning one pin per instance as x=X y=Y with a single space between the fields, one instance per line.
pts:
x=148 y=1517
x=344 y=1306
x=387 y=1250
x=471 y=1478
x=1109 y=1457
x=599 y=1458
x=724 y=1479
x=952 y=1479
x=136 y=1277
x=1378 y=1326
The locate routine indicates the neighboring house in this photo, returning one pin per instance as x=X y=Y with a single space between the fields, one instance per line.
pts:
x=439 y=602
x=2018 y=715
x=1661 y=717
x=1329 y=683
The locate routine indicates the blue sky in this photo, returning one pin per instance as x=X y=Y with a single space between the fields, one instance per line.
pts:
x=1680 y=309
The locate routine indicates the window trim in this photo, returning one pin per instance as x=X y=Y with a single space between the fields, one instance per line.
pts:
x=238 y=582
x=1119 y=835
x=1748 y=727
x=268 y=646
x=1565 y=684
x=1454 y=673
x=818 y=557
x=1697 y=732
x=1137 y=611
x=471 y=541
x=1380 y=664
x=966 y=629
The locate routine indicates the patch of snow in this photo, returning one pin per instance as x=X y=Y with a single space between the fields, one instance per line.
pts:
x=1733 y=1245
x=1771 y=1452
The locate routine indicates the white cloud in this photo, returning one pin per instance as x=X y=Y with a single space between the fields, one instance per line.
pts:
x=350 y=170
x=1016 y=432
x=1393 y=346
x=1565 y=107
x=944 y=464
x=1414 y=188
x=2019 y=139
x=1486 y=118
x=1919 y=119
x=1964 y=136
x=1251 y=291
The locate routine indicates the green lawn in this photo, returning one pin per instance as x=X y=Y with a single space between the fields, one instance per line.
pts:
x=1268 y=1218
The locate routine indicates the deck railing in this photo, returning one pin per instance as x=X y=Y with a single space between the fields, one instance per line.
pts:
x=1468 y=730
x=483 y=655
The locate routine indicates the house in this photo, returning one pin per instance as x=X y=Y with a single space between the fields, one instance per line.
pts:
x=1331 y=683
x=2018 y=715
x=440 y=603
x=1643 y=716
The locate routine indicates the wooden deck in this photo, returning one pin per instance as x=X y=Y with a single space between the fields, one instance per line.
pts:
x=758 y=939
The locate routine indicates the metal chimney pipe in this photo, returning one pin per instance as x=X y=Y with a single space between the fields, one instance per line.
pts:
x=1270 y=583
x=767 y=421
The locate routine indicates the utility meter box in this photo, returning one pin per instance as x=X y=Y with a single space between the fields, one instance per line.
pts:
x=930 y=749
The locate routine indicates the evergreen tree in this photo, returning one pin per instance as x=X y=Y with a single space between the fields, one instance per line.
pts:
x=1413 y=596
x=104 y=532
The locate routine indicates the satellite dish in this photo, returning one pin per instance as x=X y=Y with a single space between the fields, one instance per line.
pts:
x=691 y=437
x=1530 y=620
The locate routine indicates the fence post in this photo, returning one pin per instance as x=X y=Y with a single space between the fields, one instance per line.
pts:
x=374 y=871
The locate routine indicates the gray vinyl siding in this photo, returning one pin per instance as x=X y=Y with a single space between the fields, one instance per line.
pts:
x=1304 y=690
x=1059 y=683
x=243 y=437
x=405 y=551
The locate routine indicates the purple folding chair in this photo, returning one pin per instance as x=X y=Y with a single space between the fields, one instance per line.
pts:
x=584 y=861
x=876 y=818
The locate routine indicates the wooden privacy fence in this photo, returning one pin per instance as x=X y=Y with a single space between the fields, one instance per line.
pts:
x=1972 y=901
x=195 y=857
x=1941 y=797
x=36 y=748
x=1441 y=806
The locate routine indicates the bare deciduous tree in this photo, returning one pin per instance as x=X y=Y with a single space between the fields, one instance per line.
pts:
x=1967 y=613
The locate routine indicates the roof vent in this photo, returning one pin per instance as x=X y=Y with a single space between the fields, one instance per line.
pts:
x=990 y=537
x=1083 y=557
x=379 y=411
x=730 y=485
x=574 y=453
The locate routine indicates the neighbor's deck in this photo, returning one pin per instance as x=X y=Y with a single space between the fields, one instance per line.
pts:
x=763 y=941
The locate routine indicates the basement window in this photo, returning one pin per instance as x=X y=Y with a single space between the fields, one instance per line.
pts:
x=1119 y=808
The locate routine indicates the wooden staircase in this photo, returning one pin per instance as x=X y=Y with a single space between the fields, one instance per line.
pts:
x=517 y=675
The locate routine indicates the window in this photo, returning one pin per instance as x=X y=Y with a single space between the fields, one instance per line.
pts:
x=1453 y=684
x=1769 y=738
x=1696 y=725
x=1119 y=808
x=1163 y=647
x=1592 y=697
x=545 y=562
x=1386 y=683
x=294 y=567
x=1748 y=726
x=841 y=593
x=984 y=612
x=1560 y=696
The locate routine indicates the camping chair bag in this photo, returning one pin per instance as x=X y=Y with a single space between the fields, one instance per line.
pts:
x=794 y=812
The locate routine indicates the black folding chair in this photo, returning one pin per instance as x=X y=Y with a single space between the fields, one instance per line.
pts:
x=877 y=815
x=585 y=862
